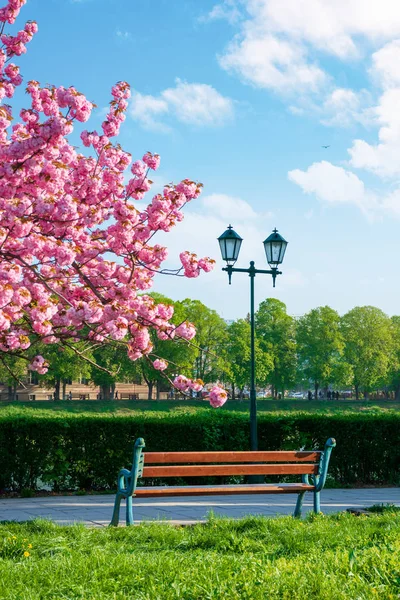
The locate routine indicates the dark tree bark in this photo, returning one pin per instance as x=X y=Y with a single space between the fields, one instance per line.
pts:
x=57 y=385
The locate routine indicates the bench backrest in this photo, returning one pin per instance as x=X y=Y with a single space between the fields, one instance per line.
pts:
x=198 y=464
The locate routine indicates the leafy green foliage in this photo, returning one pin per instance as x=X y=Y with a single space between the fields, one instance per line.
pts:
x=276 y=333
x=331 y=558
x=237 y=356
x=86 y=450
x=368 y=337
x=65 y=364
x=211 y=337
x=179 y=355
x=320 y=346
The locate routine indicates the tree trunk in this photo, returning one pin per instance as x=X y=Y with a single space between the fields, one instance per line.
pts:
x=150 y=385
x=105 y=391
x=112 y=392
x=158 y=390
x=10 y=393
x=366 y=395
x=233 y=391
x=64 y=389
x=241 y=394
x=397 y=393
x=316 y=388
x=357 y=392
x=57 y=390
x=14 y=392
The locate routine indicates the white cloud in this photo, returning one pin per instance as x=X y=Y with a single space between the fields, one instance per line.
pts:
x=227 y=10
x=335 y=185
x=276 y=44
x=386 y=65
x=226 y=206
x=268 y=62
x=382 y=158
x=342 y=107
x=196 y=104
x=146 y=108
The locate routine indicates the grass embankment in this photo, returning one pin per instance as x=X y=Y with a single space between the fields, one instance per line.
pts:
x=330 y=558
x=123 y=407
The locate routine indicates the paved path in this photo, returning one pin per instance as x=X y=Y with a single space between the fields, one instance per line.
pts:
x=96 y=510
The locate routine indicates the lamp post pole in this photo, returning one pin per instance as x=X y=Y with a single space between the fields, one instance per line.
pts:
x=275 y=247
x=253 y=396
x=252 y=272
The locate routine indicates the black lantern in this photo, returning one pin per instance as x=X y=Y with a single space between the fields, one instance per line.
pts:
x=229 y=243
x=275 y=248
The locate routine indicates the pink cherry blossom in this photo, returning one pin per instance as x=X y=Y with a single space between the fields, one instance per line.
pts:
x=186 y=330
x=160 y=364
x=181 y=383
x=217 y=396
x=39 y=364
x=152 y=160
x=76 y=254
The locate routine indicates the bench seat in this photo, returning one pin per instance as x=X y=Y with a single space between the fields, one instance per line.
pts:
x=311 y=465
x=217 y=490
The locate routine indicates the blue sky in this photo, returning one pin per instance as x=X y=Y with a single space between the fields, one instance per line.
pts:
x=241 y=95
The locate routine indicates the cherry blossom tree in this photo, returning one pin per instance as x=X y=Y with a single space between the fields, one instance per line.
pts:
x=77 y=250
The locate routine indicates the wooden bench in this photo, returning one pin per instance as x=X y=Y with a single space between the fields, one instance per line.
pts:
x=307 y=463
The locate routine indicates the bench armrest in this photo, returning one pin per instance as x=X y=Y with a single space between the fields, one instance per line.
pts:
x=124 y=480
x=127 y=480
x=324 y=464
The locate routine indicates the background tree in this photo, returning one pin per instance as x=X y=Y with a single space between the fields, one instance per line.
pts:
x=179 y=355
x=368 y=336
x=211 y=335
x=13 y=371
x=65 y=365
x=275 y=331
x=237 y=356
x=392 y=380
x=111 y=366
x=320 y=346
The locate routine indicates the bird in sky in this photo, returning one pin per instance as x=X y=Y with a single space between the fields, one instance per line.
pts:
x=325 y=146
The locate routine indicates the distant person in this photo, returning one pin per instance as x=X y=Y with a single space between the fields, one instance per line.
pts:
x=116 y=397
x=329 y=394
x=309 y=395
x=320 y=395
x=70 y=395
x=337 y=395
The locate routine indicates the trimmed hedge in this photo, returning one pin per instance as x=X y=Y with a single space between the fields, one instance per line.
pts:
x=86 y=451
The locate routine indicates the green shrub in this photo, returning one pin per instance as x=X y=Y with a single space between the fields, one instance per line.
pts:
x=85 y=451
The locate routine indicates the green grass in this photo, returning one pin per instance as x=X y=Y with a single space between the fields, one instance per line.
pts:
x=123 y=407
x=330 y=558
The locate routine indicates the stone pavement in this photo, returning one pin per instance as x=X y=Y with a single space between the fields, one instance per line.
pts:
x=96 y=511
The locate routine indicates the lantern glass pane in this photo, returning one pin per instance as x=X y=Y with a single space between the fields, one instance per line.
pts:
x=275 y=251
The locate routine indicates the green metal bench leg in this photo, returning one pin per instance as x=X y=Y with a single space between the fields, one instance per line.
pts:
x=129 y=514
x=317 y=505
x=299 y=504
x=115 y=517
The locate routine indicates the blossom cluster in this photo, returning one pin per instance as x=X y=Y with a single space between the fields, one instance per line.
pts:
x=76 y=253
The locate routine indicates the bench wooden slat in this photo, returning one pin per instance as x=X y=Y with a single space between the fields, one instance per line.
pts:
x=233 y=457
x=211 y=490
x=209 y=470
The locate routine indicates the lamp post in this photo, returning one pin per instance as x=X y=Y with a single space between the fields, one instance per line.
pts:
x=275 y=248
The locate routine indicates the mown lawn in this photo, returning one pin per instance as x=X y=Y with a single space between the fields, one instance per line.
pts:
x=331 y=558
x=123 y=407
